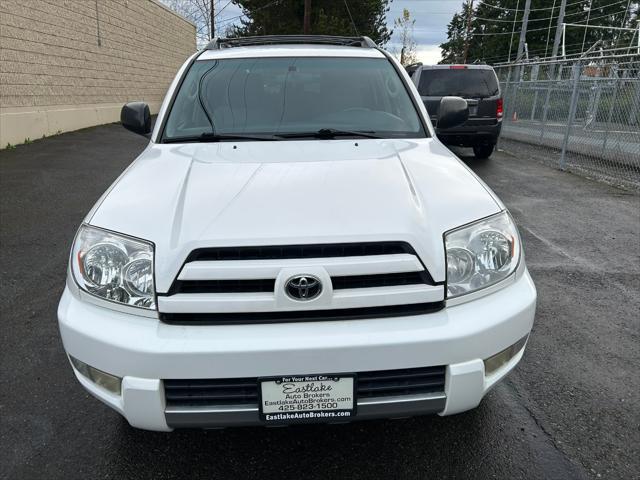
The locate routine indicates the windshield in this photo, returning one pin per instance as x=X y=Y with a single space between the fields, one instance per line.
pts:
x=463 y=82
x=272 y=96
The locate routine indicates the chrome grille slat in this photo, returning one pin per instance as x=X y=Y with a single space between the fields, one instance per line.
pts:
x=270 y=268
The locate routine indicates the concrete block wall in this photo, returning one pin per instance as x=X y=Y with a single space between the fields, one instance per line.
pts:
x=70 y=64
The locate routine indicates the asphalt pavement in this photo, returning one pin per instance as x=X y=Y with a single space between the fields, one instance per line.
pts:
x=571 y=409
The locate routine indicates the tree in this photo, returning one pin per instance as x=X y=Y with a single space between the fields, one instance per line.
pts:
x=198 y=12
x=328 y=17
x=408 y=49
x=453 y=48
x=496 y=24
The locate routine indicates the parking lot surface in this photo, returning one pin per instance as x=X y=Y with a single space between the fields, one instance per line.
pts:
x=570 y=410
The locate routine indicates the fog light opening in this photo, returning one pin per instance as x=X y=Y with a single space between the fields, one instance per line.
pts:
x=497 y=361
x=109 y=382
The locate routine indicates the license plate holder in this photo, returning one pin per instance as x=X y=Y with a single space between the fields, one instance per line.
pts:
x=307 y=398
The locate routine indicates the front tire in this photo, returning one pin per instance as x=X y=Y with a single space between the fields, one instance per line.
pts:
x=483 y=152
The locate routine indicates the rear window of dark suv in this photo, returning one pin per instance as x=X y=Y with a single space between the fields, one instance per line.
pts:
x=459 y=82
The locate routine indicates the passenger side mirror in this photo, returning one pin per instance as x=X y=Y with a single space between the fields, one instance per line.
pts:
x=135 y=116
x=453 y=111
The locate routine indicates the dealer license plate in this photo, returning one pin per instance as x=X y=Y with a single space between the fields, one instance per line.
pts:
x=307 y=398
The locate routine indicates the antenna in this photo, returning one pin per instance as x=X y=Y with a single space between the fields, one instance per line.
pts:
x=355 y=29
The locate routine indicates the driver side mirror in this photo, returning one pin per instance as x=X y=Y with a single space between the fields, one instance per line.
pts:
x=135 y=116
x=453 y=111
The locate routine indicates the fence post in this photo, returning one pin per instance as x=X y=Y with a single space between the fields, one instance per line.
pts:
x=610 y=115
x=635 y=109
x=594 y=103
x=576 y=71
x=506 y=104
x=507 y=96
x=535 y=69
x=516 y=90
x=550 y=84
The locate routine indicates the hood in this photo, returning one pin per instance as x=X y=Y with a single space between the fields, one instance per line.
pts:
x=183 y=197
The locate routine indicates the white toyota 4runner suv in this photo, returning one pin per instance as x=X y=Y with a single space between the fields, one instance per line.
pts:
x=294 y=245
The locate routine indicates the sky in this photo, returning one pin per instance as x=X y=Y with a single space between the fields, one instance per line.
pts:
x=431 y=16
x=430 y=30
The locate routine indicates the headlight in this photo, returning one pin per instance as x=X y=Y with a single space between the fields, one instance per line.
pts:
x=481 y=254
x=114 y=267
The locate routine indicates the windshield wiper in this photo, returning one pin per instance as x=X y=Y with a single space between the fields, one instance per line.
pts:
x=216 y=137
x=329 y=133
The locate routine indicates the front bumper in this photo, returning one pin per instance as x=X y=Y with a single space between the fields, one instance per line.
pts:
x=144 y=351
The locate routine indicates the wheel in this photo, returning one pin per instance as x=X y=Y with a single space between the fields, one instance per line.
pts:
x=483 y=151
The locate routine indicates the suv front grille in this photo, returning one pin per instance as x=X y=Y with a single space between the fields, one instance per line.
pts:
x=244 y=391
x=233 y=285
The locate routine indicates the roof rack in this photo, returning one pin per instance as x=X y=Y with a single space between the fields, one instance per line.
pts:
x=220 y=43
x=413 y=67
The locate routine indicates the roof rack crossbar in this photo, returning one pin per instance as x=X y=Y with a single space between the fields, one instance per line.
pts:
x=220 y=43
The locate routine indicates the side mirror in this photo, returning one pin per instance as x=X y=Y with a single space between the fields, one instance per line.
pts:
x=135 y=116
x=453 y=111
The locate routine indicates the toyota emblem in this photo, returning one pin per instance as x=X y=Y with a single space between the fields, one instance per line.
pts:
x=303 y=287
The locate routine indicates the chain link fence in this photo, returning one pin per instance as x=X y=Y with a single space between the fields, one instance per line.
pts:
x=582 y=115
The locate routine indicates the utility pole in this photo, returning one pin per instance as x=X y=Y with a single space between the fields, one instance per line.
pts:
x=523 y=30
x=213 y=20
x=523 y=39
x=552 y=68
x=466 y=40
x=556 y=40
x=307 y=17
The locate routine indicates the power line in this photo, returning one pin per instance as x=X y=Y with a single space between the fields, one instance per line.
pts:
x=522 y=10
x=546 y=44
x=584 y=38
x=513 y=29
x=467 y=37
x=506 y=33
x=625 y=13
x=226 y=20
x=523 y=30
x=534 y=52
x=603 y=16
x=221 y=9
x=553 y=16
x=557 y=38
x=596 y=8
x=624 y=21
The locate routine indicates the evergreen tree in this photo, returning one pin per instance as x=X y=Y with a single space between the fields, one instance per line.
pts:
x=453 y=48
x=328 y=17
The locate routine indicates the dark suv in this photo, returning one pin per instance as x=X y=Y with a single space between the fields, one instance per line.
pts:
x=479 y=86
